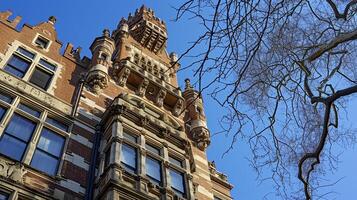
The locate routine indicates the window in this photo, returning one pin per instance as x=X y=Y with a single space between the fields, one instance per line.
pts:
x=21 y=62
x=41 y=78
x=176 y=161
x=22 y=128
x=107 y=158
x=152 y=149
x=216 y=198
x=17 y=66
x=29 y=110
x=42 y=42
x=49 y=151
x=153 y=170
x=57 y=124
x=4 y=196
x=16 y=136
x=177 y=182
x=131 y=138
x=128 y=158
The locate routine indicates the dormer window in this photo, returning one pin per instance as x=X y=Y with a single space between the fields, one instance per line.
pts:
x=42 y=42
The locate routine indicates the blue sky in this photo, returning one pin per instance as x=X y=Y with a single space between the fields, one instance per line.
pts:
x=80 y=21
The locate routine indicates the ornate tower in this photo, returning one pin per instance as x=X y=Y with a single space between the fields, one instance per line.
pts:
x=102 y=49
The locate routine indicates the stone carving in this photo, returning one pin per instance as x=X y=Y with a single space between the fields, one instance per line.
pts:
x=202 y=137
x=97 y=81
x=13 y=171
x=142 y=88
x=160 y=97
x=178 y=107
x=124 y=77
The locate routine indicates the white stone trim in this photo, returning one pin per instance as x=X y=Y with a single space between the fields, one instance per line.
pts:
x=72 y=185
x=81 y=140
x=76 y=160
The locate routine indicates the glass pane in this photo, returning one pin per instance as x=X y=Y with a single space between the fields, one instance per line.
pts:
x=19 y=63
x=41 y=78
x=14 y=71
x=25 y=52
x=44 y=162
x=41 y=42
x=5 y=98
x=3 y=196
x=177 y=181
x=51 y=142
x=175 y=161
x=48 y=65
x=57 y=124
x=29 y=110
x=130 y=137
x=128 y=155
x=12 y=147
x=2 y=112
x=20 y=127
x=153 y=168
x=152 y=149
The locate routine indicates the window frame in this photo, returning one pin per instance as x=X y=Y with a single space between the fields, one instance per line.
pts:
x=45 y=39
x=20 y=50
x=40 y=125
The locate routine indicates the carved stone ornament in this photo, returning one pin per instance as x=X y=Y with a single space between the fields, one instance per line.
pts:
x=142 y=88
x=124 y=77
x=201 y=137
x=13 y=171
x=160 y=98
x=97 y=78
x=178 y=107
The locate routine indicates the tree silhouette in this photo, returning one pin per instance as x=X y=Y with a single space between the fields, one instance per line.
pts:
x=284 y=69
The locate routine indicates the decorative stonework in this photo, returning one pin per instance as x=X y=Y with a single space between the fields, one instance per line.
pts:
x=178 y=107
x=201 y=137
x=97 y=78
x=124 y=77
x=160 y=97
x=142 y=88
x=13 y=171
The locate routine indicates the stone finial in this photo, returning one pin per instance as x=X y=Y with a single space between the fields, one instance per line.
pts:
x=52 y=19
x=188 y=85
x=173 y=57
x=106 y=33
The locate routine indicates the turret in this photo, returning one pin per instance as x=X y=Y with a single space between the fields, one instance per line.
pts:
x=195 y=118
x=102 y=49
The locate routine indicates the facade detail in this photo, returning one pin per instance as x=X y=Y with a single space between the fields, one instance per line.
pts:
x=112 y=126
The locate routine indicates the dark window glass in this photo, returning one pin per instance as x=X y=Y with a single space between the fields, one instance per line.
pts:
x=152 y=149
x=175 y=161
x=6 y=98
x=42 y=42
x=12 y=147
x=49 y=149
x=29 y=110
x=41 y=78
x=25 y=52
x=128 y=158
x=3 y=196
x=130 y=137
x=16 y=136
x=20 y=127
x=107 y=158
x=47 y=65
x=2 y=112
x=57 y=124
x=17 y=66
x=177 y=182
x=153 y=169
x=216 y=198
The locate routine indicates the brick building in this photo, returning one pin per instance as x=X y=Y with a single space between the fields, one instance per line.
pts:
x=113 y=126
